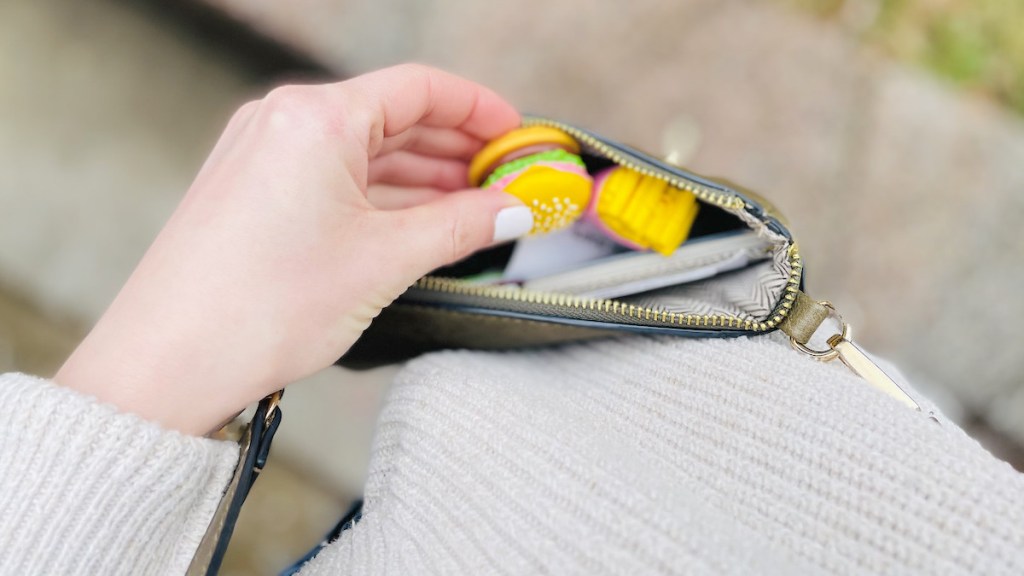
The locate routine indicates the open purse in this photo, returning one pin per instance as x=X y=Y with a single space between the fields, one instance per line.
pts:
x=445 y=310
x=738 y=273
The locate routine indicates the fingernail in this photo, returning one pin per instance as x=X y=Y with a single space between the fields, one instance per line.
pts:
x=512 y=222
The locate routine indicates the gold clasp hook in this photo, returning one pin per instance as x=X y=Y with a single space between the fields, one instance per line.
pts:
x=842 y=347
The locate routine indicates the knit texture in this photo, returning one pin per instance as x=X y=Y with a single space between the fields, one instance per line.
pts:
x=669 y=456
x=633 y=456
x=87 y=490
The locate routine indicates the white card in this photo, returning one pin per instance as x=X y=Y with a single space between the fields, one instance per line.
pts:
x=566 y=249
x=636 y=272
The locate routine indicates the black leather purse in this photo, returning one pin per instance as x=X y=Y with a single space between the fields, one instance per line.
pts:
x=448 y=310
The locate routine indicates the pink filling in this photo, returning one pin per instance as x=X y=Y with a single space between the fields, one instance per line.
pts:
x=594 y=219
x=503 y=182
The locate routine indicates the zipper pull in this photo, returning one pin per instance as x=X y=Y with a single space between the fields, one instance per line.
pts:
x=803 y=320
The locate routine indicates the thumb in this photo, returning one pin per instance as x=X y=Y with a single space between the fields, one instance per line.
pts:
x=456 y=225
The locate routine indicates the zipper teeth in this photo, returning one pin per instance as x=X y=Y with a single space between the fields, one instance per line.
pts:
x=656 y=315
x=703 y=193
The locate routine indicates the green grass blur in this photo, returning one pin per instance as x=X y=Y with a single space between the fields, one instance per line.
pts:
x=977 y=45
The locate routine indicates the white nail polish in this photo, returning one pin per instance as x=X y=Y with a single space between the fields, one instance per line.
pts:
x=512 y=222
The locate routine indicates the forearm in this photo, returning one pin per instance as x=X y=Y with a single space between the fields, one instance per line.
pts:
x=87 y=489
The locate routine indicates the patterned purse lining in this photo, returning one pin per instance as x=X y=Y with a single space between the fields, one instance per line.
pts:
x=749 y=294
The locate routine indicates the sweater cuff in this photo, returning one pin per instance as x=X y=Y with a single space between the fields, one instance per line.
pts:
x=87 y=489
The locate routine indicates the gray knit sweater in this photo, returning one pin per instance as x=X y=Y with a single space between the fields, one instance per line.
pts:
x=634 y=456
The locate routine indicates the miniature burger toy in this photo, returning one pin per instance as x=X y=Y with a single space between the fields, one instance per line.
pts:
x=542 y=167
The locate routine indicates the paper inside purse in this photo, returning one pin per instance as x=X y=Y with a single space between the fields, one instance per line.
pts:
x=734 y=273
x=731 y=265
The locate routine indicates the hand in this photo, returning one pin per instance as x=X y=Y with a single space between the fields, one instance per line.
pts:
x=318 y=207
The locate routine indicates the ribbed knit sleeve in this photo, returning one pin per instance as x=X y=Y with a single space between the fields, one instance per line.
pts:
x=85 y=489
x=671 y=456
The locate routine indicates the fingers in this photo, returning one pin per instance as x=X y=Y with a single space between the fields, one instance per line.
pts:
x=430 y=141
x=418 y=125
x=452 y=227
x=408 y=169
x=387 y=197
x=398 y=98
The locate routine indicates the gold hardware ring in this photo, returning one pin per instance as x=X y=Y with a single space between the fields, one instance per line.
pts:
x=831 y=353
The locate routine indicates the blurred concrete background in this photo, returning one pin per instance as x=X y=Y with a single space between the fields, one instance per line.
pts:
x=888 y=131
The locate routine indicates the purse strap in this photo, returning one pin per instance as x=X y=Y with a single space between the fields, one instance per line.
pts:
x=349 y=520
x=254 y=445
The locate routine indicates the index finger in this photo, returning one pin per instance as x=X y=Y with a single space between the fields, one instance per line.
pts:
x=398 y=98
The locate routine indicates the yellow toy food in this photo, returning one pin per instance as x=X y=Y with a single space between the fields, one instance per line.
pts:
x=641 y=212
x=540 y=166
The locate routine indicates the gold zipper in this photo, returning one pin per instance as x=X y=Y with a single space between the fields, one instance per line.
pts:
x=724 y=200
x=583 y=303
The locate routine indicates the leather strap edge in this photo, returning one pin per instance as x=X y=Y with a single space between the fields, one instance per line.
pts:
x=804 y=318
x=253 y=448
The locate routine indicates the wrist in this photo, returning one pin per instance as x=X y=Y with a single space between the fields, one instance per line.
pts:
x=142 y=384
